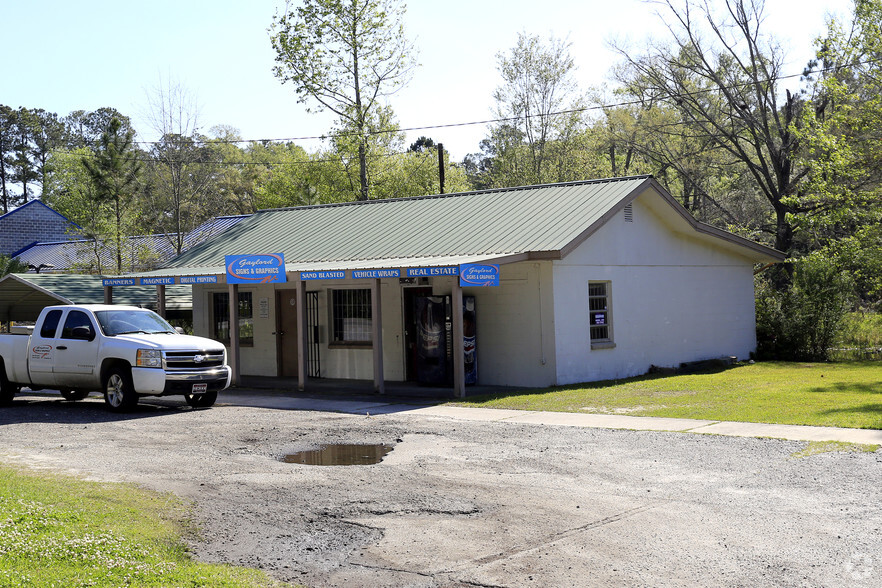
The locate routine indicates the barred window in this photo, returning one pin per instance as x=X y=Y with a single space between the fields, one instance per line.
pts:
x=220 y=329
x=599 y=311
x=351 y=316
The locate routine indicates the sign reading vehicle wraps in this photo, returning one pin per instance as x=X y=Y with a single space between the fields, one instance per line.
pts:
x=327 y=275
x=166 y=281
x=118 y=282
x=427 y=272
x=261 y=268
x=475 y=274
x=199 y=279
x=383 y=273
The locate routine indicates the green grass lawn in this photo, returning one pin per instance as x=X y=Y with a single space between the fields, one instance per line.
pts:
x=847 y=394
x=64 y=532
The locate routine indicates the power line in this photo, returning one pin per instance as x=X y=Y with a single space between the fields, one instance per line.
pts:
x=583 y=109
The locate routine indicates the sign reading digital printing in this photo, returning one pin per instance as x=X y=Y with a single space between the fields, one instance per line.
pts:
x=199 y=279
x=476 y=274
x=428 y=272
x=326 y=275
x=118 y=282
x=165 y=281
x=262 y=268
x=383 y=273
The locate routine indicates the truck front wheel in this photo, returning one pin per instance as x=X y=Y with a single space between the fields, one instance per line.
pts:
x=119 y=391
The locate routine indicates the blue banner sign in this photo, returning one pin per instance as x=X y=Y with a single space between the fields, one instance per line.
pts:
x=118 y=282
x=166 y=281
x=332 y=275
x=475 y=274
x=383 y=273
x=425 y=272
x=262 y=268
x=199 y=279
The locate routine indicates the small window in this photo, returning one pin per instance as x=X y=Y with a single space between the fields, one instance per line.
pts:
x=351 y=316
x=599 y=312
x=75 y=318
x=50 y=324
x=220 y=329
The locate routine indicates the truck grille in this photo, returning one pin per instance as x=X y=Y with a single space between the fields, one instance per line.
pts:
x=189 y=360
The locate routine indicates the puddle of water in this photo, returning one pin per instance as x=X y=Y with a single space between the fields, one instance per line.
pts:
x=341 y=454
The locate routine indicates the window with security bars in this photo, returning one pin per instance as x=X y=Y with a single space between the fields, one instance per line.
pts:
x=351 y=316
x=599 y=311
x=220 y=328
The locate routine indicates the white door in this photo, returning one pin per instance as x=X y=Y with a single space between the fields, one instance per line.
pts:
x=42 y=353
x=76 y=352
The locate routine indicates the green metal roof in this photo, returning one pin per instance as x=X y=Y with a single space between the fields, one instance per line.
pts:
x=23 y=296
x=541 y=221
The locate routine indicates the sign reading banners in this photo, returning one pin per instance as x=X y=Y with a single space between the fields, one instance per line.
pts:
x=475 y=274
x=384 y=273
x=262 y=268
x=166 y=281
x=327 y=275
x=199 y=279
x=118 y=282
x=426 y=272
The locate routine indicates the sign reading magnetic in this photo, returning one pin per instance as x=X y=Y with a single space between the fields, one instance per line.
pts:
x=426 y=272
x=476 y=274
x=199 y=279
x=262 y=268
x=383 y=273
x=166 y=281
x=118 y=282
x=326 y=275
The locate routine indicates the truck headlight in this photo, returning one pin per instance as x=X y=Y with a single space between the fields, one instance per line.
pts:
x=150 y=358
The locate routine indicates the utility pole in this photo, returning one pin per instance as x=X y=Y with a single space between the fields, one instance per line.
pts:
x=441 y=166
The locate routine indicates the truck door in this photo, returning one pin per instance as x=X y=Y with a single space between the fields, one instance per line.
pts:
x=41 y=355
x=76 y=352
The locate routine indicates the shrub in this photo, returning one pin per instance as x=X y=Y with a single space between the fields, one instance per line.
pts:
x=801 y=321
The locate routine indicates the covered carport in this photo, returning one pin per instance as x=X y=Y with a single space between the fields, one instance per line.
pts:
x=24 y=296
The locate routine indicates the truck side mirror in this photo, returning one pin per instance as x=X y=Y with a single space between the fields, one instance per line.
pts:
x=179 y=330
x=83 y=333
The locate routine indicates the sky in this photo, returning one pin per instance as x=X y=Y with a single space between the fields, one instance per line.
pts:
x=63 y=55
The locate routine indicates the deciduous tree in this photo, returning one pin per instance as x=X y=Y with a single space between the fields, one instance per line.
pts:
x=347 y=57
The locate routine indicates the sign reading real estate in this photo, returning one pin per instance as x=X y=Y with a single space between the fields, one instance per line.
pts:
x=382 y=273
x=261 y=268
x=326 y=275
x=427 y=272
x=476 y=274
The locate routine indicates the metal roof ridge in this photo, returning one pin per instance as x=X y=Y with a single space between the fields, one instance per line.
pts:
x=454 y=194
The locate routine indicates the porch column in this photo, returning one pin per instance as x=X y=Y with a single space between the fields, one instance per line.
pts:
x=377 y=326
x=234 y=333
x=302 y=350
x=108 y=294
x=458 y=346
x=160 y=300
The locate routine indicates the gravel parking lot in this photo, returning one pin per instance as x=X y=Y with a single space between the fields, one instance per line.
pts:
x=460 y=503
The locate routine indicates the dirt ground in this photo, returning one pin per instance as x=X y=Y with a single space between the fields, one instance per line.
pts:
x=461 y=503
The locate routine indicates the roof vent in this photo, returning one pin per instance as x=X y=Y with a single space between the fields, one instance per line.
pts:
x=629 y=213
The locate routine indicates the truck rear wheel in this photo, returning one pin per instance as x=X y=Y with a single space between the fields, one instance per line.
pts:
x=8 y=390
x=201 y=400
x=119 y=391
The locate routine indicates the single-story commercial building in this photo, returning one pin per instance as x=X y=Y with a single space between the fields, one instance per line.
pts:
x=532 y=286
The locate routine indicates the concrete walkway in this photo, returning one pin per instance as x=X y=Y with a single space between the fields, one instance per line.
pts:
x=377 y=406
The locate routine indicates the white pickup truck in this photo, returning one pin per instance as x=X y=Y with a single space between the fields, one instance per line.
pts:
x=124 y=351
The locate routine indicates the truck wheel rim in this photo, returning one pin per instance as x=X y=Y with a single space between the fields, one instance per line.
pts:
x=114 y=390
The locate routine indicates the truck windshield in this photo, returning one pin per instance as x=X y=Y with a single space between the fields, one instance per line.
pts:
x=121 y=322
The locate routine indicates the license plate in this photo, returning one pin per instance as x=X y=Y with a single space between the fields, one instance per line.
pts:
x=200 y=388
